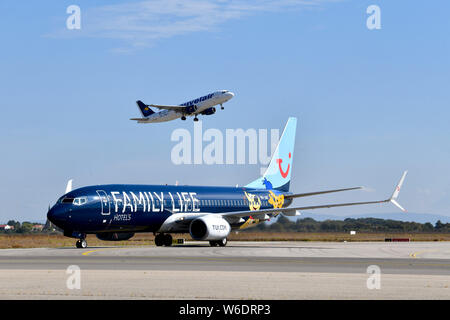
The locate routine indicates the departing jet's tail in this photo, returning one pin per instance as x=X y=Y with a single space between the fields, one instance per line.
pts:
x=145 y=109
x=278 y=174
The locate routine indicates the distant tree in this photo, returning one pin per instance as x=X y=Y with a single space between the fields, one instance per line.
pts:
x=283 y=220
x=428 y=227
x=15 y=224
x=439 y=225
x=25 y=227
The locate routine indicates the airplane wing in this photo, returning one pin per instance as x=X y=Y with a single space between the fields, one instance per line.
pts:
x=247 y=213
x=298 y=195
x=181 y=221
x=175 y=108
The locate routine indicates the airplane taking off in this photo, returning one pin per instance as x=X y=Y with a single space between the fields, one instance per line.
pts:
x=203 y=105
x=117 y=212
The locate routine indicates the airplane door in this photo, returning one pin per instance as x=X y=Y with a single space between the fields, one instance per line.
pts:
x=106 y=209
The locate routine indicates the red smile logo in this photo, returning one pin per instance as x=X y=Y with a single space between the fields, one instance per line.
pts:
x=283 y=173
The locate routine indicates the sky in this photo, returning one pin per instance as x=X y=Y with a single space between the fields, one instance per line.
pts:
x=370 y=103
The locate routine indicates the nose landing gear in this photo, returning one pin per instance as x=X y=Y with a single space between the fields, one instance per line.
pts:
x=81 y=244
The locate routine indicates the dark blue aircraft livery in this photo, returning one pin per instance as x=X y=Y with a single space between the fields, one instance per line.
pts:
x=116 y=212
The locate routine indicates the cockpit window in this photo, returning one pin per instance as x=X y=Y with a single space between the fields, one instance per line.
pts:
x=67 y=200
x=224 y=91
x=79 y=201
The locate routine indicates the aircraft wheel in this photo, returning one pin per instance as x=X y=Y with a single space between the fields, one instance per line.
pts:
x=167 y=240
x=159 y=240
x=195 y=119
x=81 y=244
x=213 y=243
x=223 y=242
x=183 y=118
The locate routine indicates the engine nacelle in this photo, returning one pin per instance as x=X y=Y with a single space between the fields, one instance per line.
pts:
x=114 y=236
x=209 y=228
x=191 y=109
x=209 y=111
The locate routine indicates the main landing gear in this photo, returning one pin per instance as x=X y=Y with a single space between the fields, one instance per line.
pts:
x=222 y=107
x=221 y=243
x=183 y=118
x=162 y=239
x=196 y=119
x=81 y=244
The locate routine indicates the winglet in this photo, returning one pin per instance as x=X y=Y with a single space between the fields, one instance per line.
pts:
x=397 y=191
x=69 y=186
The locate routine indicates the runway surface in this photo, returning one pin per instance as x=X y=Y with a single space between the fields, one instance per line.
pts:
x=242 y=270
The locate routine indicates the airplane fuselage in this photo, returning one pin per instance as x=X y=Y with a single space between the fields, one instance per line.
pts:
x=148 y=208
x=202 y=104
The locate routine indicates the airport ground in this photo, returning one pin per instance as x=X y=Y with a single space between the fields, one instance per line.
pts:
x=242 y=270
x=42 y=240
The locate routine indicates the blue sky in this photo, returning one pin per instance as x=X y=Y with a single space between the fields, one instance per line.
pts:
x=370 y=103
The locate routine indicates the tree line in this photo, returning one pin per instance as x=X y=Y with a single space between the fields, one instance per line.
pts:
x=283 y=224
x=18 y=227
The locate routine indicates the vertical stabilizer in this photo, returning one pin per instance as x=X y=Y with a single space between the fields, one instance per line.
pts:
x=278 y=174
x=145 y=109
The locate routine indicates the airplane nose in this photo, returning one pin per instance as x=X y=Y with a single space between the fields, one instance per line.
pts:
x=56 y=216
x=51 y=214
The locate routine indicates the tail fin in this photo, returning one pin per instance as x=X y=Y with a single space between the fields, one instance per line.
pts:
x=145 y=109
x=278 y=174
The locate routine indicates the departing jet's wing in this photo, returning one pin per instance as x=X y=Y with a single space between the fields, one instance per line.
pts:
x=392 y=199
x=298 y=195
x=175 y=108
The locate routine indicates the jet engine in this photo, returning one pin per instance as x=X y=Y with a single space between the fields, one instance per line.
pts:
x=209 y=111
x=114 y=236
x=209 y=227
x=191 y=109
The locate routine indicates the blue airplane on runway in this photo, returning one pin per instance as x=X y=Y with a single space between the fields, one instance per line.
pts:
x=116 y=212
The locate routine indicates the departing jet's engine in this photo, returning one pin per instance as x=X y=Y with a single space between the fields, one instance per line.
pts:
x=209 y=111
x=209 y=227
x=191 y=109
x=114 y=236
